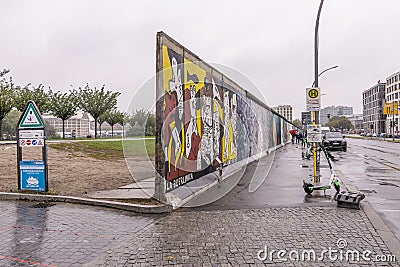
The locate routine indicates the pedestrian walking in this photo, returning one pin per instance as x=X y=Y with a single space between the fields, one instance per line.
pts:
x=293 y=133
x=299 y=137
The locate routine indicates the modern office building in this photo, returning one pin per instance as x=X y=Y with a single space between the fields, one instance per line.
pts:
x=80 y=123
x=331 y=111
x=392 y=94
x=374 y=121
x=286 y=111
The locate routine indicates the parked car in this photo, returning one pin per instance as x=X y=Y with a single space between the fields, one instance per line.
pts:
x=334 y=141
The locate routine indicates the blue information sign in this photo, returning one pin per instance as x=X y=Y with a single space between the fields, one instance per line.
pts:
x=32 y=175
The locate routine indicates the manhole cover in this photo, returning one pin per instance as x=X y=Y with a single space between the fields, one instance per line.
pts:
x=42 y=205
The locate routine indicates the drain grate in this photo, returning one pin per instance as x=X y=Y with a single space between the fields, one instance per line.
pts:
x=42 y=205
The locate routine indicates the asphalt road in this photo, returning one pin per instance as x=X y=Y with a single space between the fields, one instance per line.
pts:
x=373 y=167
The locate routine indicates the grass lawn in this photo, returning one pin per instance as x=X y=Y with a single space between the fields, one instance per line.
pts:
x=109 y=150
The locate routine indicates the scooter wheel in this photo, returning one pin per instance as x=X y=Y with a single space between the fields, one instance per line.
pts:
x=308 y=188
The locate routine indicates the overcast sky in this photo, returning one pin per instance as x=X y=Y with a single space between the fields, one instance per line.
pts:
x=73 y=42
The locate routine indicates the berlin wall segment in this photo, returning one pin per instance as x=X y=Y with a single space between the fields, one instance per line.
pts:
x=204 y=117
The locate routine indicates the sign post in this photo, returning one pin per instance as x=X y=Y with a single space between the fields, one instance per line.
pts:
x=31 y=132
x=313 y=102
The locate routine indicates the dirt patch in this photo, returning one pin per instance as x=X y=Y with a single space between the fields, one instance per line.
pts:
x=72 y=173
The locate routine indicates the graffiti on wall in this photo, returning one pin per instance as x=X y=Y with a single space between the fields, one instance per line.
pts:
x=199 y=120
x=205 y=119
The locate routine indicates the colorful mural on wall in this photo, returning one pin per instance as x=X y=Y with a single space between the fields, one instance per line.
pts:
x=206 y=120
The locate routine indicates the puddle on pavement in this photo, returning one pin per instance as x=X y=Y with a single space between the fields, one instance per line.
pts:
x=390 y=180
x=375 y=169
x=367 y=191
x=388 y=184
x=314 y=198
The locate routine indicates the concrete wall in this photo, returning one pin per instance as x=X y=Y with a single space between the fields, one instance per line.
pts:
x=203 y=117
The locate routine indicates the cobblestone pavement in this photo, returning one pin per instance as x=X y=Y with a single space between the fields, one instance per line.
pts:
x=235 y=238
x=63 y=234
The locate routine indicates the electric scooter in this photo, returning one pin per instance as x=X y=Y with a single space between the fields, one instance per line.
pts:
x=333 y=180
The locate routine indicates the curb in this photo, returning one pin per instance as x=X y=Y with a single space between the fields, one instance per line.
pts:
x=392 y=242
x=146 y=209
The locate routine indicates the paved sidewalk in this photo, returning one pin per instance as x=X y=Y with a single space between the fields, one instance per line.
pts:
x=223 y=235
x=33 y=234
x=235 y=237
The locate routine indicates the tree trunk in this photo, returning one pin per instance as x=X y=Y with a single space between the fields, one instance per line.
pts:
x=1 y=129
x=63 y=129
x=95 y=128
x=112 y=131
x=100 y=129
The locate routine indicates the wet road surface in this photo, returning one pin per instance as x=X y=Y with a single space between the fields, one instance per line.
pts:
x=373 y=167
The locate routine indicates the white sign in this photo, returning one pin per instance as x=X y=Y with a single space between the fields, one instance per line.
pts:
x=314 y=137
x=314 y=134
x=313 y=128
x=31 y=142
x=31 y=118
x=314 y=107
x=313 y=99
x=31 y=134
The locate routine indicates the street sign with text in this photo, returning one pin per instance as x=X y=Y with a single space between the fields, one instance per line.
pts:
x=31 y=132
x=313 y=99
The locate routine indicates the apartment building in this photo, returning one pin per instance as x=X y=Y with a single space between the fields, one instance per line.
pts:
x=392 y=94
x=286 y=111
x=373 y=99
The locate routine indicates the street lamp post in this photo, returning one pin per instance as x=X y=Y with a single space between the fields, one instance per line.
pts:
x=322 y=72
x=316 y=45
x=315 y=114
